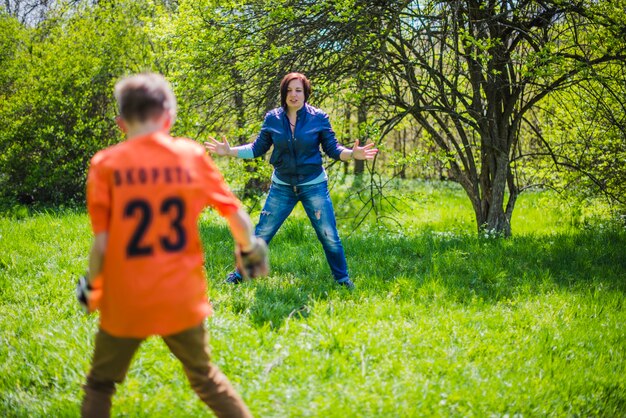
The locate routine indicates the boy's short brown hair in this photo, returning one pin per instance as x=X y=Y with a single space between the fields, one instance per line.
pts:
x=144 y=96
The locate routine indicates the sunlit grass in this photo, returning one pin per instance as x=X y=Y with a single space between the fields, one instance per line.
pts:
x=443 y=322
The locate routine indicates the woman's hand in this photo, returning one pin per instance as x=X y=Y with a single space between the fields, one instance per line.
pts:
x=216 y=147
x=363 y=153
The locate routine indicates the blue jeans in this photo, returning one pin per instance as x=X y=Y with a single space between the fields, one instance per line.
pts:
x=316 y=202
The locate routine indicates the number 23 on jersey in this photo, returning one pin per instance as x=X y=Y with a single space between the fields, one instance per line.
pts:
x=171 y=207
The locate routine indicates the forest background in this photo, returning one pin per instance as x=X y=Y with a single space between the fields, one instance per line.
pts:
x=497 y=96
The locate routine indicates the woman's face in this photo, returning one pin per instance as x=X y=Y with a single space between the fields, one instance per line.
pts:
x=295 y=94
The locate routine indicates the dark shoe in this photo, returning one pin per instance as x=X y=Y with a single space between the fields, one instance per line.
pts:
x=234 y=278
x=347 y=283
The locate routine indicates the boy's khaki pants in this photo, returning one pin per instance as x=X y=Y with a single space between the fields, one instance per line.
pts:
x=112 y=357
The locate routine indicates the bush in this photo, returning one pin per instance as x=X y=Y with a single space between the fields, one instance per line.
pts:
x=59 y=109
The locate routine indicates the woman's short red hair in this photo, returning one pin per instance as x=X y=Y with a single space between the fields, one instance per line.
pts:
x=284 y=84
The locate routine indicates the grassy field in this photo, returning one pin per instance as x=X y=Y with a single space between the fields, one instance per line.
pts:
x=443 y=322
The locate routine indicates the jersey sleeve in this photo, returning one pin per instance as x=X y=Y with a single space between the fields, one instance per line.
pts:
x=218 y=193
x=98 y=196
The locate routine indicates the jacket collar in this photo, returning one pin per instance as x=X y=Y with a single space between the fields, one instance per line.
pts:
x=304 y=109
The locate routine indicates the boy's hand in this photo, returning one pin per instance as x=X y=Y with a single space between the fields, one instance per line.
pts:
x=255 y=262
x=83 y=292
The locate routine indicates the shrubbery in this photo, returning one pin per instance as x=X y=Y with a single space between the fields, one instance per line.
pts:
x=57 y=108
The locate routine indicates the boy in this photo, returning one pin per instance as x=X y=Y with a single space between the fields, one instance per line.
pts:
x=144 y=197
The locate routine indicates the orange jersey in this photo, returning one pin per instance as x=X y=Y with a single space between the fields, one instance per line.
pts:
x=147 y=193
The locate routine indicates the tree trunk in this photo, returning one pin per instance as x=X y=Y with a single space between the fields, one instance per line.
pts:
x=488 y=195
x=359 y=165
x=348 y=119
x=254 y=186
x=400 y=146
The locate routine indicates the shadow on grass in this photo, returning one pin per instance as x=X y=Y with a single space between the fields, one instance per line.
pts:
x=299 y=275
x=460 y=268
x=495 y=269
x=274 y=305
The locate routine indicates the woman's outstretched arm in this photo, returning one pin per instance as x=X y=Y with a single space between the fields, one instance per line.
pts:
x=260 y=146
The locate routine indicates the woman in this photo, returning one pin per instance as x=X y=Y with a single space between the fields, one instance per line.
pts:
x=296 y=130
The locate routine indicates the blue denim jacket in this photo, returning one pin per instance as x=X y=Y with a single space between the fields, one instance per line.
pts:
x=297 y=158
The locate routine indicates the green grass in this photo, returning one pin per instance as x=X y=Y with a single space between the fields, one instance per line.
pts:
x=443 y=322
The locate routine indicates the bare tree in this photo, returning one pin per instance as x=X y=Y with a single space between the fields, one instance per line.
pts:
x=469 y=71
